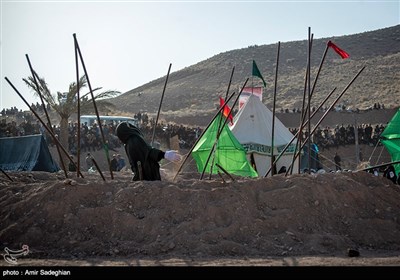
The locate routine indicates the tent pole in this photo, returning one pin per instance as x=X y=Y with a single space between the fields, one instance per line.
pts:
x=309 y=99
x=78 y=109
x=105 y=144
x=230 y=82
x=159 y=107
x=273 y=110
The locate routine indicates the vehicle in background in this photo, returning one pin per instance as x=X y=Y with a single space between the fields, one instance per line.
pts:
x=89 y=120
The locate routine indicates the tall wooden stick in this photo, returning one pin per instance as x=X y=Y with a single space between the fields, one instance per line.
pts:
x=318 y=72
x=44 y=125
x=46 y=113
x=159 y=107
x=79 y=107
x=105 y=144
x=273 y=108
x=309 y=98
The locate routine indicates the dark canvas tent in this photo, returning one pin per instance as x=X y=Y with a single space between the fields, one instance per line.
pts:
x=26 y=153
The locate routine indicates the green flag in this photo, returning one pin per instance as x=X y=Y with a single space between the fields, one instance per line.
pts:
x=257 y=73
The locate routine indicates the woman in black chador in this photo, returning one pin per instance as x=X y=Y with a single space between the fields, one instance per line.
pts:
x=138 y=150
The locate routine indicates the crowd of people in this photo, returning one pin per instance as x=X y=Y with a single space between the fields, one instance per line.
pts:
x=333 y=137
x=341 y=108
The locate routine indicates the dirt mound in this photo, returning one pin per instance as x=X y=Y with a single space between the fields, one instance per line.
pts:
x=296 y=215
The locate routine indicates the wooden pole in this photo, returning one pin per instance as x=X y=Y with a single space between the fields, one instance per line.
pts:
x=79 y=106
x=159 y=107
x=230 y=82
x=219 y=133
x=44 y=125
x=105 y=144
x=273 y=109
x=319 y=69
x=46 y=113
x=315 y=80
x=298 y=132
x=309 y=99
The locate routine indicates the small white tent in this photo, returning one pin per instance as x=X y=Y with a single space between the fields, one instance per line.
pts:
x=253 y=128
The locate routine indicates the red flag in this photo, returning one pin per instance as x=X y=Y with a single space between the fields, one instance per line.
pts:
x=338 y=50
x=227 y=110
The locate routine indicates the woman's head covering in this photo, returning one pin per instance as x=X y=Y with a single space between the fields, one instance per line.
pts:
x=125 y=130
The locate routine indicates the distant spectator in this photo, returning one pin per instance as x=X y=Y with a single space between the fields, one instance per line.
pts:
x=121 y=162
x=114 y=163
x=337 y=160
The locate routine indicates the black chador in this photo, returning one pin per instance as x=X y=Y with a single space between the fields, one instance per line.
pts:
x=137 y=150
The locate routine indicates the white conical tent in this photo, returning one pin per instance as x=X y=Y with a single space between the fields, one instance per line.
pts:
x=253 y=128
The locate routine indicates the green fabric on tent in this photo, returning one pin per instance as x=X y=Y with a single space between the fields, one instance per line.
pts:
x=390 y=137
x=229 y=153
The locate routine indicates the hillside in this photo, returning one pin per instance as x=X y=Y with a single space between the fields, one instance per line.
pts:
x=194 y=90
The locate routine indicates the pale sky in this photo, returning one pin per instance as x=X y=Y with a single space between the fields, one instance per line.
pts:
x=126 y=44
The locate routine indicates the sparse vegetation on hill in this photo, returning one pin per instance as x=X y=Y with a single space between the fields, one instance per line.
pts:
x=195 y=89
